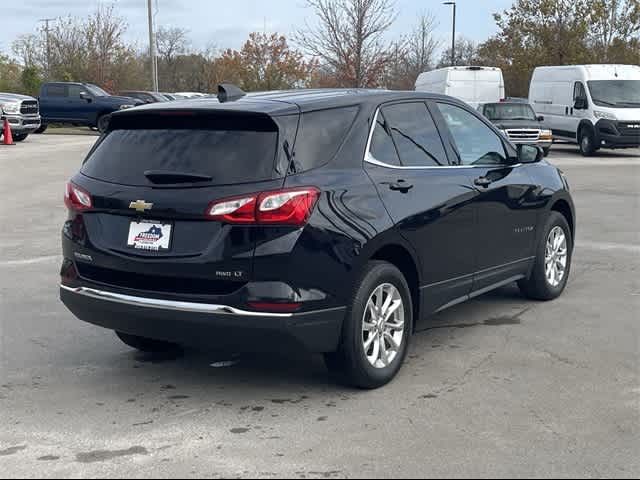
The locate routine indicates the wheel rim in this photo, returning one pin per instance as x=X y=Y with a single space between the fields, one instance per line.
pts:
x=556 y=257
x=383 y=326
x=586 y=143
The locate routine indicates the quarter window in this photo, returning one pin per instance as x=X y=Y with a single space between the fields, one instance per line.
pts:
x=476 y=143
x=415 y=135
x=320 y=136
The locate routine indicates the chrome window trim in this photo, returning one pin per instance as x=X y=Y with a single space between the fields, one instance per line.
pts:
x=369 y=158
x=179 y=306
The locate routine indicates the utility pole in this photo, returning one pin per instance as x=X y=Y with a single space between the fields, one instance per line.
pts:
x=48 y=40
x=152 y=50
x=453 y=39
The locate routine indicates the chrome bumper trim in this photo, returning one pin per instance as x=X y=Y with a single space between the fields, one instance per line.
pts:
x=168 y=304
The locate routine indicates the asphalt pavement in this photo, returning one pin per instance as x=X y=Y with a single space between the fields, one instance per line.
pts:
x=499 y=387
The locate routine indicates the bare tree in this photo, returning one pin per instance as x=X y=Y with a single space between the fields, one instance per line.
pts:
x=612 y=22
x=104 y=32
x=422 y=45
x=348 y=39
x=172 y=43
x=466 y=53
x=30 y=50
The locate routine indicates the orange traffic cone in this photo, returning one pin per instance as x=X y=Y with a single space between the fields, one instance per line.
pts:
x=8 y=138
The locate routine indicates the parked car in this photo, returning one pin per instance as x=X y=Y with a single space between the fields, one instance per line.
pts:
x=189 y=94
x=595 y=106
x=519 y=123
x=169 y=96
x=144 y=97
x=474 y=85
x=80 y=104
x=259 y=223
x=22 y=113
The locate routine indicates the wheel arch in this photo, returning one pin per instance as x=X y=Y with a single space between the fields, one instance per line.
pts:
x=402 y=258
x=564 y=207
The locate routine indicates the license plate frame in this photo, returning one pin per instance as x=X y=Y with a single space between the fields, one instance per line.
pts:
x=150 y=235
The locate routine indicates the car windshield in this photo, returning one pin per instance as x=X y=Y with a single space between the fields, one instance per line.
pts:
x=509 y=111
x=615 y=93
x=96 y=91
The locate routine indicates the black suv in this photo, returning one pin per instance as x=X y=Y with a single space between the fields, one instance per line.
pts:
x=328 y=219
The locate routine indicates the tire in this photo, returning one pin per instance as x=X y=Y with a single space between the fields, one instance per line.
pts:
x=546 y=151
x=146 y=344
x=587 y=142
x=42 y=129
x=103 y=123
x=538 y=286
x=351 y=360
x=20 y=138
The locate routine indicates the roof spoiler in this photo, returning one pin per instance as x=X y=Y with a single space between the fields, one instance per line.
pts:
x=229 y=93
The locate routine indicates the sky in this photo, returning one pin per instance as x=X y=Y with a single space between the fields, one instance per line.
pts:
x=226 y=24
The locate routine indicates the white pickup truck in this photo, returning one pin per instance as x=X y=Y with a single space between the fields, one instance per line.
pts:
x=22 y=112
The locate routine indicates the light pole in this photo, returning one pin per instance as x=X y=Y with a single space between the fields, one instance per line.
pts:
x=152 y=50
x=46 y=31
x=453 y=39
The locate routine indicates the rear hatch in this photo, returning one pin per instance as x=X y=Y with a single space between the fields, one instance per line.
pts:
x=151 y=181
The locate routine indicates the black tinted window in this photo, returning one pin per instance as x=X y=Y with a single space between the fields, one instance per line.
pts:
x=382 y=147
x=56 y=91
x=320 y=135
x=476 y=143
x=415 y=135
x=228 y=156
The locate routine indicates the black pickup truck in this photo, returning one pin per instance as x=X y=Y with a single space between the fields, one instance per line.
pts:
x=82 y=104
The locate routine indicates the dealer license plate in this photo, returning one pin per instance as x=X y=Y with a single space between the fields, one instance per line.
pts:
x=150 y=235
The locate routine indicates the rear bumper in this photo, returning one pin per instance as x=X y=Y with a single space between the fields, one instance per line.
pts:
x=206 y=325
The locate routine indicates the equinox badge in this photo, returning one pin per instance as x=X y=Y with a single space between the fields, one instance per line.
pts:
x=140 y=205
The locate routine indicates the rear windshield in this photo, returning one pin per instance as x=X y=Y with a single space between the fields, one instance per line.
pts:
x=227 y=156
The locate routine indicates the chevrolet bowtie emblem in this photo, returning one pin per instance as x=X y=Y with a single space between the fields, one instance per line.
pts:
x=140 y=205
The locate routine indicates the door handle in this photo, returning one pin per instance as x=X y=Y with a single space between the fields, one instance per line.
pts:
x=483 y=182
x=400 y=185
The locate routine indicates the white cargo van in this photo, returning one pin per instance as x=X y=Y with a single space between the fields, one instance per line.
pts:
x=474 y=85
x=595 y=106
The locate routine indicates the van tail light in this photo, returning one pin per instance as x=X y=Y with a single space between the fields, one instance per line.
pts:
x=76 y=198
x=279 y=207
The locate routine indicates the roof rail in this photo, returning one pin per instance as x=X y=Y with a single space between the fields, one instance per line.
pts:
x=228 y=92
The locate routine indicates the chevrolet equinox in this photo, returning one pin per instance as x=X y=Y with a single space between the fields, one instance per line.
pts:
x=332 y=220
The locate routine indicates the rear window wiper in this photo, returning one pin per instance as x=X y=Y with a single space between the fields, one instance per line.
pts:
x=168 y=177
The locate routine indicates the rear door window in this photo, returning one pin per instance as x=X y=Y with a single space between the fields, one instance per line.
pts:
x=56 y=91
x=415 y=135
x=230 y=152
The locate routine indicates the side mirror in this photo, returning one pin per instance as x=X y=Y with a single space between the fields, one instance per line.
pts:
x=540 y=118
x=530 y=154
x=581 y=103
x=86 y=96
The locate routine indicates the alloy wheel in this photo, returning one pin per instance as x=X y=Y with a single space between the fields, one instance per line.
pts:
x=556 y=256
x=383 y=326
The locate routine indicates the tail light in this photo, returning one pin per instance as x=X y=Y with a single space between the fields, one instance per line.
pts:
x=280 y=207
x=76 y=198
